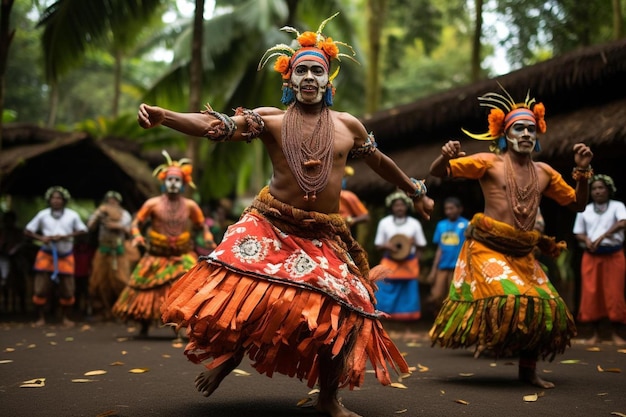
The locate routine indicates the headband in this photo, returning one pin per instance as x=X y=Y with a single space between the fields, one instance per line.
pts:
x=58 y=189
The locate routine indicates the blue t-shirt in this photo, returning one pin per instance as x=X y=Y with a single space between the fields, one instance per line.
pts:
x=450 y=235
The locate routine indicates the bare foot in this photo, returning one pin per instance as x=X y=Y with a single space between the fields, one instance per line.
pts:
x=530 y=376
x=618 y=340
x=67 y=323
x=593 y=340
x=209 y=380
x=40 y=323
x=334 y=408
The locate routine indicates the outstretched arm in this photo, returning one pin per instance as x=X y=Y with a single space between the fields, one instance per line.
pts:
x=245 y=125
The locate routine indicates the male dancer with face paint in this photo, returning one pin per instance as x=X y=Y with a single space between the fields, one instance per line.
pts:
x=500 y=298
x=288 y=285
x=169 y=246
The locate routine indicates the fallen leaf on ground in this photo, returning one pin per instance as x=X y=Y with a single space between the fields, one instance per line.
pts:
x=31 y=346
x=107 y=414
x=547 y=371
x=423 y=368
x=53 y=343
x=466 y=374
x=121 y=339
x=615 y=413
x=85 y=327
x=34 y=383
x=69 y=339
x=50 y=334
x=314 y=391
x=602 y=394
x=9 y=350
x=442 y=392
x=614 y=370
x=401 y=411
x=308 y=402
x=530 y=398
x=240 y=372
x=621 y=350
x=6 y=361
x=414 y=344
x=493 y=364
x=570 y=361
x=462 y=402
x=124 y=352
x=82 y=380
x=116 y=363
x=593 y=349
x=166 y=356
x=96 y=372
x=398 y=385
x=138 y=370
x=177 y=345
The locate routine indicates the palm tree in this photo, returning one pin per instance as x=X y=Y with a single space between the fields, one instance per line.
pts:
x=71 y=27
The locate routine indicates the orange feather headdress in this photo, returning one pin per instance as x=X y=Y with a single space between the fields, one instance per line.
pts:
x=181 y=168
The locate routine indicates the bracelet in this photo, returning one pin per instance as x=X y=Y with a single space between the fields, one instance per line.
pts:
x=420 y=189
x=579 y=173
x=225 y=130
x=255 y=123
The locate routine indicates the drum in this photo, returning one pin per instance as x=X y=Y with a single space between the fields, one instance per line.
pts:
x=402 y=247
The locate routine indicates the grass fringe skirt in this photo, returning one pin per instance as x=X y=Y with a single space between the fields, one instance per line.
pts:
x=282 y=328
x=505 y=325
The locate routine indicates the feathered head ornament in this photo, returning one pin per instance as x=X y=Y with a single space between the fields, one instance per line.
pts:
x=308 y=46
x=181 y=168
x=504 y=112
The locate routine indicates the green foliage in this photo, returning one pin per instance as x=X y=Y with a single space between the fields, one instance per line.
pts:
x=558 y=25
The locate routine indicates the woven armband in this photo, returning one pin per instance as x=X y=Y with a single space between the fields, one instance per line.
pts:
x=582 y=173
x=224 y=130
x=368 y=148
x=255 y=123
x=420 y=189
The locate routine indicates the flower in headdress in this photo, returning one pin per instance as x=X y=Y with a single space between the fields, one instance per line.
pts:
x=540 y=112
x=496 y=122
x=329 y=47
x=282 y=65
x=307 y=39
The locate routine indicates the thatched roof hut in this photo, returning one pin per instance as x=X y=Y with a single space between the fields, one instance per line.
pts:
x=35 y=158
x=585 y=102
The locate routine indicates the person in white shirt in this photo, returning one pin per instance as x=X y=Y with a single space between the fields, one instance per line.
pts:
x=402 y=239
x=600 y=230
x=55 y=227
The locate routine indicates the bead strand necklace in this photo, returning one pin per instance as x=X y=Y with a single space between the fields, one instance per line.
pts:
x=310 y=159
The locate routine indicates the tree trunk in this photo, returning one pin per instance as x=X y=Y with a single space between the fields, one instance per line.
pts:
x=618 y=25
x=195 y=84
x=117 y=83
x=6 y=36
x=376 y=11
x=54 y=103
x=476 y=45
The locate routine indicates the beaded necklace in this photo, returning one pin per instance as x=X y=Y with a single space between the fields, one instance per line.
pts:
x=524 y=201
x=310 y=159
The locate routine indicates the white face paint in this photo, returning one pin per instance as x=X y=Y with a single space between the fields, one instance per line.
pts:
x=522 y=136
x=309 y=81
x=173 y=184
